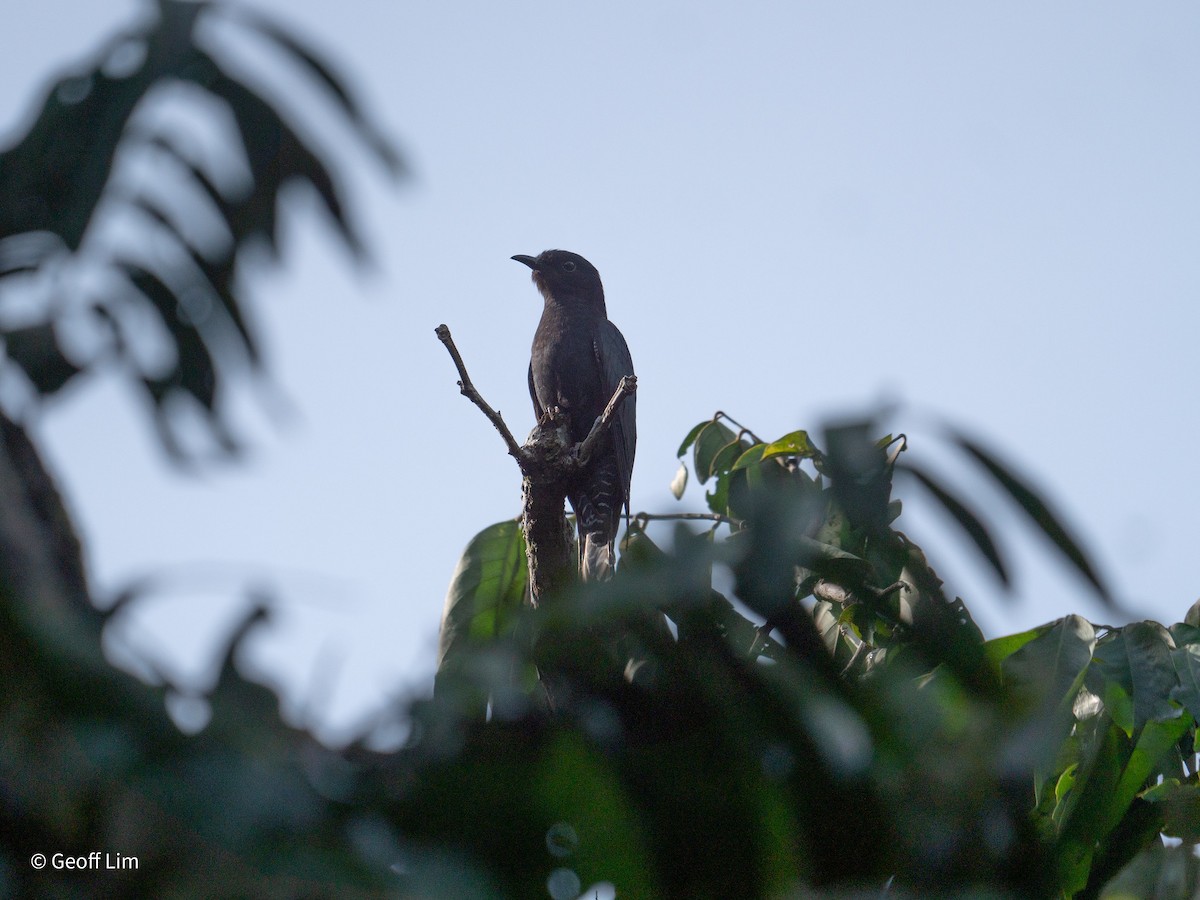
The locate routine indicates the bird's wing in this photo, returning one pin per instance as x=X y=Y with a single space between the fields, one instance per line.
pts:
x=615 y=362
x=537 y=407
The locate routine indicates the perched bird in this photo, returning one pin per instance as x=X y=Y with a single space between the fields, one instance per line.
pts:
x=577 y=361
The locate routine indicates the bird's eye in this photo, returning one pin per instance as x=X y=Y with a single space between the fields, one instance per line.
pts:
x=568 y=266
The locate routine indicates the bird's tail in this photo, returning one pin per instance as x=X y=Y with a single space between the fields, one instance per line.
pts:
x=597 y=558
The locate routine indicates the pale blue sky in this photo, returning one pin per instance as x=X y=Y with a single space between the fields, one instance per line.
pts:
x=990 y=211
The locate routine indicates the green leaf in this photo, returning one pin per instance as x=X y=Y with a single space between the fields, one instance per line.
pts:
x=718 y=498
x=1193 y=615
x=1047 y=672
x=1137 y=661
x=1065 y=782
x=1039 y=511
x=1110 y=679
x=1186 y=661
x=1183 y=813
x=485 y=594
x=1182 y=634
x=713 y=438
x=999 y=649
x=825 y=617
x=750 y=457
x=1156 y=739
x=1052 y=663
x=969 y=522
x=679 y=482
x=1154 y=678
x=794 y=444
x=1084 y=809
x=724 y=460
x=691 y=437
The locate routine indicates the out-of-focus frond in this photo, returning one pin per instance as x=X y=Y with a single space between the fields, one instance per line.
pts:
x=61 y=186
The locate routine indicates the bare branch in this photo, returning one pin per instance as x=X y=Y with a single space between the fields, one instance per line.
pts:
x=662 y=517
x=468 y=390
x=626 y=388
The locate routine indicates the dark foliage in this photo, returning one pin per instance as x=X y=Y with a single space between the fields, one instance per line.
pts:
x=57 y=181
x=834 y=726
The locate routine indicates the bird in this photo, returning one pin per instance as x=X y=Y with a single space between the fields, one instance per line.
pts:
x=576 y=362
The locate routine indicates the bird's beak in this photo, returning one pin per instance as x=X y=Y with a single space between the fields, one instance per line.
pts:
x=527 y=260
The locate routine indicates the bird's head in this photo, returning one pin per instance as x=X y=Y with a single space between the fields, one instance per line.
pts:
x=561 y=275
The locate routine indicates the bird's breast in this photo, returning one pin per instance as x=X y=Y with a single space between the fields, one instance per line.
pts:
x=565 y=370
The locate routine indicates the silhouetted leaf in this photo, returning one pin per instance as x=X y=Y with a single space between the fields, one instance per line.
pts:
x=969 y=522
x=322 y=70
x=55 y=177
x=858 y=472
x=1038 y=510
x=275 y=153
x=35 y=349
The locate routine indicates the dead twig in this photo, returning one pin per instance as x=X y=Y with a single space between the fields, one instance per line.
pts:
x=643 y=517
x=468 y=390
x=627 y=387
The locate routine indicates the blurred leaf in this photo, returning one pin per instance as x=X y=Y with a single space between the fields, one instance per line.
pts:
x=1038 y=510
x=35 y=349
x=51 y=183
x=679 y=482
x=1193 y=615
x=322 y=70
x=485 y=594
x=969 y=522
x=275 y=152
x=56 y=176
x=1156 y=872
x=858 y=473
x=1181 y=810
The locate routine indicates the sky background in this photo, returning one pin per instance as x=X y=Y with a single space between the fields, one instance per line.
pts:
x=988 y=212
